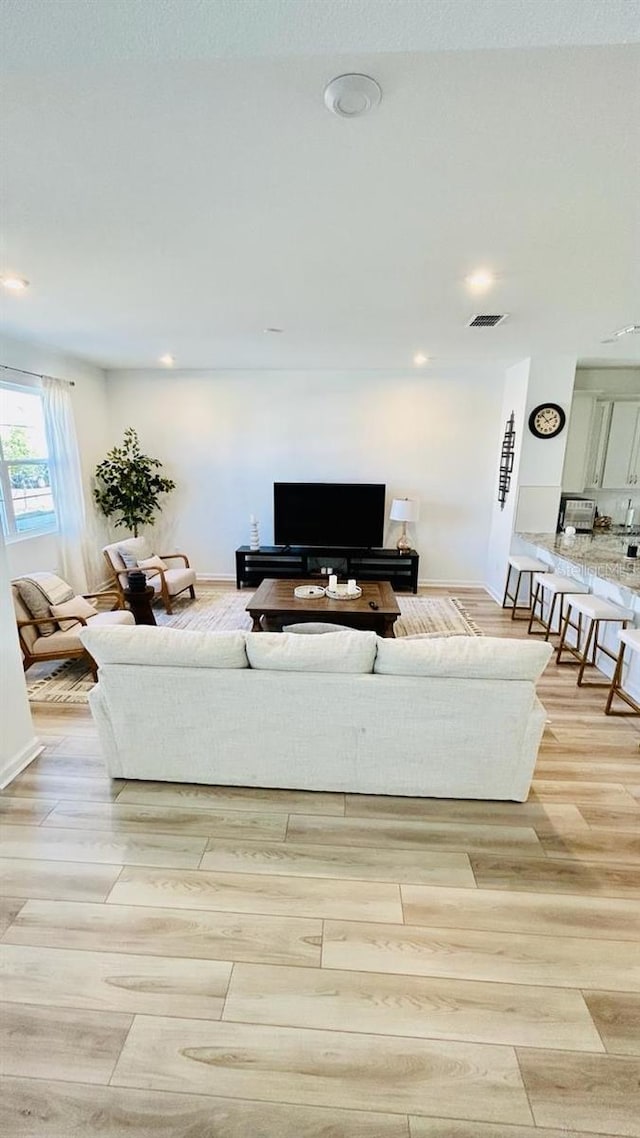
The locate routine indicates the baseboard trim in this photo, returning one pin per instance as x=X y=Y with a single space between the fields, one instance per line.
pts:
x=425 y=583
x=17 y=764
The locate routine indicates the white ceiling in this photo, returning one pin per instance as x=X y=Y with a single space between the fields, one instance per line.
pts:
x=173 y=183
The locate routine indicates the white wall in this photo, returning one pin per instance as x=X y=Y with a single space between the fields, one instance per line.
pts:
x=89 y=396
x=227 y=436
x=18 y=745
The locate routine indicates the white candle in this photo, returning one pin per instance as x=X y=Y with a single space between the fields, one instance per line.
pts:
x=351 y=587
x=333 y=581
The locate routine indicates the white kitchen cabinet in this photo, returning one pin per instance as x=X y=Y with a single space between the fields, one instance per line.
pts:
x=574 y=472
x=597 y=444
x=622 y=464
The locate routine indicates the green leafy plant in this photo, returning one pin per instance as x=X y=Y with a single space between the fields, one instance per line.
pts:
x=128 y=484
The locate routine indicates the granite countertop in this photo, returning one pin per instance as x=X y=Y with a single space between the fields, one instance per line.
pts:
x=598 y=555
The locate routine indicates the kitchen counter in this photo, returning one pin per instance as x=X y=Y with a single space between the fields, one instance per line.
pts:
x=592 y=557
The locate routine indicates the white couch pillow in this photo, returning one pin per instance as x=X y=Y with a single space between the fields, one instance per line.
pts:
x=347 y=651
x=77 y=606
x=315 y=627
x=463 y=657
x=171 y=647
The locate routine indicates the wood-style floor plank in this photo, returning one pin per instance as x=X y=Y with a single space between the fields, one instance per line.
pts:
x=612 y=819
x=35 y=1108
x=590 y=793
x=437 y=867
x=9 y=909
x=383 y=834
x=255 y=893
x=56 y=880
x=539 y=913
x=100 y=846
x=595 y=845
x=594 y=1093
x=31 y=784
x=466 y=954
x=168 y=932
x=255 y=799
x=31 y=811
x=411 y=1006
x=117 y=817
x=54 y=1043
x=111 y=981
x=617 y=1017
x=554 y=815
x=446 y=1128
x=555 y=875
x=319 y=1068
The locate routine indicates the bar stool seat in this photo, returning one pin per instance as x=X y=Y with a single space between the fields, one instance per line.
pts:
x=521 y=565
x=629 y=641
x=596 y=611
x=555 y=585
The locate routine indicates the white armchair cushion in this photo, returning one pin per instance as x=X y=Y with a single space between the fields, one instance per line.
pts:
x=177 y=580
x=77 y=606
x=70 y=641
x=132 y=550
x=154 y=562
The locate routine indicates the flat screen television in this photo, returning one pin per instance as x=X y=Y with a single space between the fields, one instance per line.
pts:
x=344 y=514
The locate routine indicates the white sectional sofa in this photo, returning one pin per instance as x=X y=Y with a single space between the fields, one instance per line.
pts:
x=346 y=711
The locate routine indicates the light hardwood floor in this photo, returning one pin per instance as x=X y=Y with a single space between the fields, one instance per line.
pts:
x=198 y=962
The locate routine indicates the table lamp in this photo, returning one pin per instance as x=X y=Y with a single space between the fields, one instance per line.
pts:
x=404 y=510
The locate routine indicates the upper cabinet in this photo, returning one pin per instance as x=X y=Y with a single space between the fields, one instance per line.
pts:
x=622 y=464
x=603 y=444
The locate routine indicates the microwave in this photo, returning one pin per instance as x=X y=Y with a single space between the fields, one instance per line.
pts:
x=577 y=512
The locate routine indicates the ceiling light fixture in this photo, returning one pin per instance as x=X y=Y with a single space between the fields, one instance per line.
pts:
x=167 y=360
x=628 y=330
x=419 y=359
x=480 y=280
x=274 y=331
x=14 y=284
x=352 y=95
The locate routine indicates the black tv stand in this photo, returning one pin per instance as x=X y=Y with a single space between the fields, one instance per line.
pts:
x=299 y=562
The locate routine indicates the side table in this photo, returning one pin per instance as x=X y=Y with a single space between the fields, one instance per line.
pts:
x=139 y=603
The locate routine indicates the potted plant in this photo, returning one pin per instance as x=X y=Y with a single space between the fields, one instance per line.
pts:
x=128 y=486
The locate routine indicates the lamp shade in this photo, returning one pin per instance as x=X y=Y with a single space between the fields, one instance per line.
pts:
x=404 y=510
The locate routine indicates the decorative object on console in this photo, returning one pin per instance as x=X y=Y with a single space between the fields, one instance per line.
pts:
x=547 y=420
x=254 y=533
x=507 y=454
x=404 y=510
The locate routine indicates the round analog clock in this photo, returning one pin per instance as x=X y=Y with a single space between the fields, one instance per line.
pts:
x=547 y=420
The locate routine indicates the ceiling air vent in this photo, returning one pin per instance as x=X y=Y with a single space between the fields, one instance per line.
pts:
x=484 y=321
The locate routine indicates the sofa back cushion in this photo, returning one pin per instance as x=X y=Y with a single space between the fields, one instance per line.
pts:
x=172 y=647
x=463 y=657
x=346 y=651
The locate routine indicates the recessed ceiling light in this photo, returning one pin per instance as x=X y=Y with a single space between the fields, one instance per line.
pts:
x=480 y=280
x=419 y=359
x=14 y=284
x=275 y=331
x=167 y=360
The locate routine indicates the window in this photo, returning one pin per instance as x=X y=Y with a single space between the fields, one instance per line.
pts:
x=26 y=499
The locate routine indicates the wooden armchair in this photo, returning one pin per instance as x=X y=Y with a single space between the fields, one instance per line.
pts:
x=64 y=644
x=167 y=583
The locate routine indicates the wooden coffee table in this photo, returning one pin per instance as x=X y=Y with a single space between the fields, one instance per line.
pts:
x=276 y=599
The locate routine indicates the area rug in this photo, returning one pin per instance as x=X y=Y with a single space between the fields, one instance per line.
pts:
x=220 y=610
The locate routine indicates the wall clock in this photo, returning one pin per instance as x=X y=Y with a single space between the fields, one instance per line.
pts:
x=547 y=420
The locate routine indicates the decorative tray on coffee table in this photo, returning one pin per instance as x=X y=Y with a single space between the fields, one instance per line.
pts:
x=340 y=593
x=309 y=592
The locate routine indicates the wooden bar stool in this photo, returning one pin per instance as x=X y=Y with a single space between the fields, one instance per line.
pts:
x=594 y=611
x=629 y=639
x=523 y=566
x=549 y=587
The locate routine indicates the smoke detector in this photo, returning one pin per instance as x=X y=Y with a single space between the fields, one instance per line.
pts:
x=352 y=95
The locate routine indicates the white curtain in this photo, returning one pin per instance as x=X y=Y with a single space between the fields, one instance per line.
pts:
x=66 y=481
